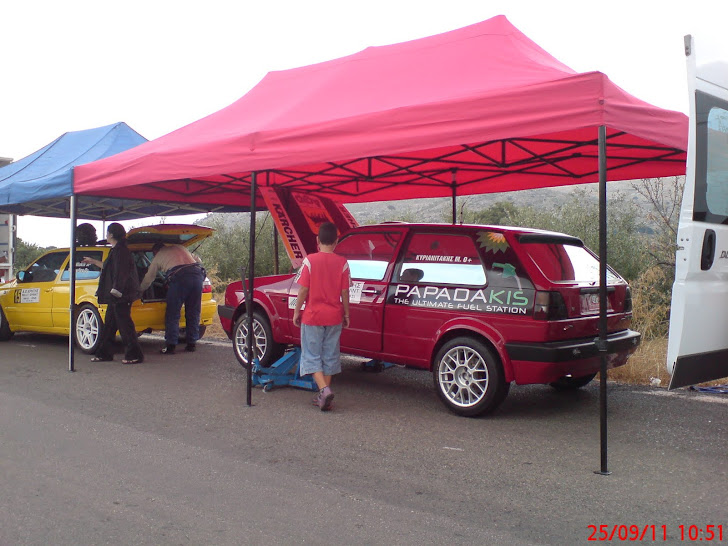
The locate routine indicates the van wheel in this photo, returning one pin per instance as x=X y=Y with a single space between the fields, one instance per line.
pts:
x=468 y=377
x=87 y=329
x=5 y=332
x=568 y=383
x=266 y=350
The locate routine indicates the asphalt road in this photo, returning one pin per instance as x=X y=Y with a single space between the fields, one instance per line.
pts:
x=167 y=452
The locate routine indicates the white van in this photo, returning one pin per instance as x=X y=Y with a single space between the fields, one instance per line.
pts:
x=698 y=339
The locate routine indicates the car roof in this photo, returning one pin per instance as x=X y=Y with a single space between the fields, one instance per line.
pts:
x=456 y=227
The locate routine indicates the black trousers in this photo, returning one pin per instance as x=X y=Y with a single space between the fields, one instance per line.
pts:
x=118 y=317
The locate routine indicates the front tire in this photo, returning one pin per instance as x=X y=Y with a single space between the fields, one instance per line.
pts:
x=87 y=329
x=5 y=332
x=468 y=377
x=266 y=350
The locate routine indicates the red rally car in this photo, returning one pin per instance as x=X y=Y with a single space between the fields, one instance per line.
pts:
x=480 y=306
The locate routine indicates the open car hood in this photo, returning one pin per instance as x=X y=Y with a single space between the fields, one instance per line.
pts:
x=170 y=234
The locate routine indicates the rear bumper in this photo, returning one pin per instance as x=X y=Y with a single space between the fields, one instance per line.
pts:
x=226 y=313
x=546 y=362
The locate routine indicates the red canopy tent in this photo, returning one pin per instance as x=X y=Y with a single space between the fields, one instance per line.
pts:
x=481 y=109
x=477 y=110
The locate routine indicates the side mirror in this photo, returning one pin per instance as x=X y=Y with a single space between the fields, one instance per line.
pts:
x=20 y=276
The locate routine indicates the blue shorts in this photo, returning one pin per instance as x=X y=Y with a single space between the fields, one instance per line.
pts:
x=320 y=349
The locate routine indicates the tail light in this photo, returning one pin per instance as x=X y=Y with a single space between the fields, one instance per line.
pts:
x=206 y=286
x=628 y=300
x=549 y=306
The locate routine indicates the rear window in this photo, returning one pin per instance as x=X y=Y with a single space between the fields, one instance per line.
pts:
x=566 y=263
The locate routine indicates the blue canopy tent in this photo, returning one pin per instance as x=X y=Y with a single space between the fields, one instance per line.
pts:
x=41 y=184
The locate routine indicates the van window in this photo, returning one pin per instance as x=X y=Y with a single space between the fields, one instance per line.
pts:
x=711 y=168
x=437 y=258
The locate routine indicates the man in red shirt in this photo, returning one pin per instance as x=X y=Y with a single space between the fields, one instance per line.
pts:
x=324 y=280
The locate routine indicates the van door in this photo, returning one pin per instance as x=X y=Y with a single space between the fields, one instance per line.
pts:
x=698 y=339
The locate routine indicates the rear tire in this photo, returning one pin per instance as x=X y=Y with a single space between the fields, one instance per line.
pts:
x=266 y=350
x=568 y=383
x=5 y=332
x=87 y=329
x=468 y=378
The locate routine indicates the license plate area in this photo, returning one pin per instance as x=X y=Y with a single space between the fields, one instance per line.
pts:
x=590 y=303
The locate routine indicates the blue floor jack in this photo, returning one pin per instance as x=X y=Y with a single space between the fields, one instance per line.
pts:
x=284 y=372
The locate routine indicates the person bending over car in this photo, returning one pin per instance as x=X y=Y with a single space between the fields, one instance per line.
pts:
x=118 y=289
x=184 y=276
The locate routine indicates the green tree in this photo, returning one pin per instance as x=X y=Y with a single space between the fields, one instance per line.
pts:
x=227 y=250
x=497 y=214
x=579 y=216
x=25 y=254
x=652 y=291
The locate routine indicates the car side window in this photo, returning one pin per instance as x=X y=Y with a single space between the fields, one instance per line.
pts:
x=369 y=254
x=437 y=258
x=45 y=268
x=85 y=272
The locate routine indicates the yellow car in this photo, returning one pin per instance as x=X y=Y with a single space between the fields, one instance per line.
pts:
x=37 y=300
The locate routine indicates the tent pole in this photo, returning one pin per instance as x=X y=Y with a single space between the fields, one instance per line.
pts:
x=72 y=282
x=602 y=341
x=275 y=251
x=249 y=294
x=454 y=197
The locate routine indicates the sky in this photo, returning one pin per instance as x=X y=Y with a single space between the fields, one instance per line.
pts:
x=160 y=64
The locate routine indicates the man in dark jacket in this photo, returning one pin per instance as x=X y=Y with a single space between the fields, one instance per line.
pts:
x=118 y=289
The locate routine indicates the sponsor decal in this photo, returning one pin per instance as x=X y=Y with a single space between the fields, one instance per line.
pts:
x=723 y=254
x=291 y=238
x=313 y=210
x=27 y=295
x=508 y=301
x=434 y=258
x=348 y=218
x=355 y=291
x=492 y=241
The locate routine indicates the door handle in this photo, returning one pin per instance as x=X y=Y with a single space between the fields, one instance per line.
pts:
x=371 y=291
x=708 y=253
x=48 y=290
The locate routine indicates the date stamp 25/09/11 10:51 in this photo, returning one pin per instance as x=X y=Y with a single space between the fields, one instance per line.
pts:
x=655 y=533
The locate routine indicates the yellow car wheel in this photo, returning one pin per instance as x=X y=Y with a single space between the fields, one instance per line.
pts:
x=87 y=329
